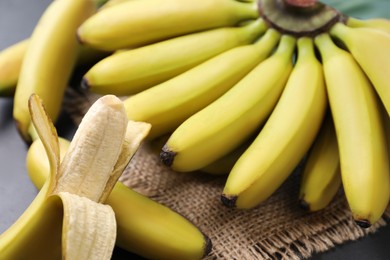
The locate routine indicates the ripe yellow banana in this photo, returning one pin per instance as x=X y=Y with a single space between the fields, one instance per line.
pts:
x=321 y=177
x=144 y=227
x=230 y=120
x=131 y=71
x=136 y=23
x=286 y=136
x=374 y=23
x=67 y=217
x=364 y=158
x=50 y=59
x=168 y=104
x=370 y=48
x=10 y=62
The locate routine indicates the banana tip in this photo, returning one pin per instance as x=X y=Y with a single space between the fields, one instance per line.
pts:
x=363 y=223
x=84 y=83
x=229 y=200
x=304 y=205
x=208 y=246
x=167 y=156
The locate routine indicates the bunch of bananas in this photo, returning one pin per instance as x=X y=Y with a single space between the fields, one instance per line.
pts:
x=251 y=82
x=245 y=88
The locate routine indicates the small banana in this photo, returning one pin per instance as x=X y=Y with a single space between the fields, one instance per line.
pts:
x=226 y=123
x=50 y=59
x=286 y=136
x=380 y=24
x=10 y=63
x=355 y=108
x=67 y=217
x=136 y=23
x=131 y=71
x=370 y=48
x=168 y=104
x=321 y=177
x=144 y=227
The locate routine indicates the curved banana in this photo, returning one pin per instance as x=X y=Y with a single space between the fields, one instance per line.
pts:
x=226 y=123
x=321 y=177
x=144 y=227
x=50 y=59
x=380 y=24
x=370 y=48
x=286 y=136
x=69 y=205
x=136 y=23
x=364 y=158
x=10 y=63
x=131 y=71
x=168 y=104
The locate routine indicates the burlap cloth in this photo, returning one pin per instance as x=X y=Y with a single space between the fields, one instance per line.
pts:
x=276 y=229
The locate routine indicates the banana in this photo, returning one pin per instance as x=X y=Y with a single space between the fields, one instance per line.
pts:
x=364 y=159
x=131 y=71
x=286 y=136
x=136 y=23
x=370 y=48
x=226 y=123
x=10 y=62
x=145 y=227
x=68 y=216
x=321 y=177
x=50 y=59
x=380 y=24
x=168 y=104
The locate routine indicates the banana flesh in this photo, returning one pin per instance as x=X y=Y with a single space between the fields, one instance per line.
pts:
x=361 y=139
x=209 y=135
x=136 y=23
x=286 y=136
x=173 y=101
x=73 y=221
x=321 y=177
x=131 y=71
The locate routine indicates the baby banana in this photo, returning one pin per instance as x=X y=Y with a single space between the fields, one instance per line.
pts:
x=321 y=177
x=144 y=227
x=286 y=136
x=50 y=59
x=168 y=104
x=370 y=48
x=361 y=139
x=210 y=134
x=10 y=63
x=69 y=199
x=136 y=23
x=131 y=71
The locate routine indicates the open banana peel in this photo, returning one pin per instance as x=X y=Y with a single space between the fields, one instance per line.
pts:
x=68 y=218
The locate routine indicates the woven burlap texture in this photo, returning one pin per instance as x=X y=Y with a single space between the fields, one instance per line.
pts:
x=276 y=229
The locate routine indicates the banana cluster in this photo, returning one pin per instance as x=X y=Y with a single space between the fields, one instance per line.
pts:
x=243 y=88
x=239 y=91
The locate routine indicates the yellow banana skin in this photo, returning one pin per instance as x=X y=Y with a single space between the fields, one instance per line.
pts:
x=145 y=227
x=364 y=158
x=380 y=24
x=209 y=134
x=132 y=71
x=168 y=104
x=136 y=23
x=285 y=138
x=321 y=177
x=370 y=48
x=52 y=41
x=10 y=62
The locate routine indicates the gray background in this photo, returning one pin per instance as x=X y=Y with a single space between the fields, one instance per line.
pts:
x=17 y=20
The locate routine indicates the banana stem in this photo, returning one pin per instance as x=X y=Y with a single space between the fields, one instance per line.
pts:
x=301 y=3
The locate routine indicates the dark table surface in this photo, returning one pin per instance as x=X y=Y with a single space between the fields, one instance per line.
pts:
x=17 y=20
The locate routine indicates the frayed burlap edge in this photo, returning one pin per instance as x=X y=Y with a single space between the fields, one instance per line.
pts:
x=276 y=229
